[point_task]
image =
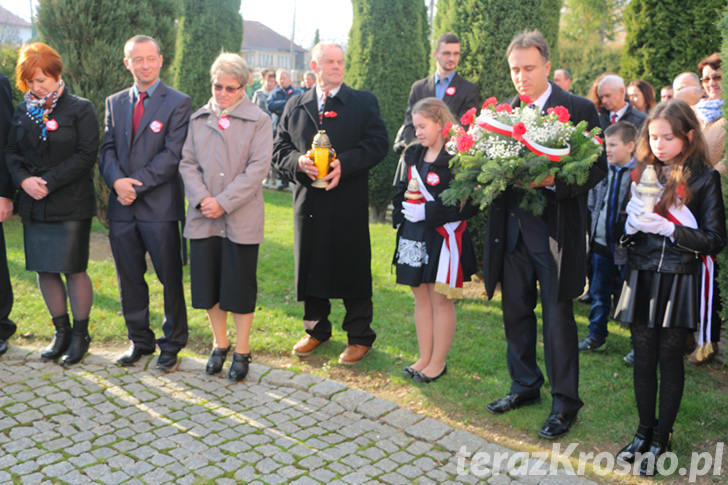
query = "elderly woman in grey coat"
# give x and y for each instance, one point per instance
(224, 161)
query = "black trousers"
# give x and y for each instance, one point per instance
(130, 241)
(522, 269)
(357, 322)
(7, 326)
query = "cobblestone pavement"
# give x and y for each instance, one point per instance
(97, 422)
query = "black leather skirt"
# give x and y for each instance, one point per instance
(57, 247)
(659, 300)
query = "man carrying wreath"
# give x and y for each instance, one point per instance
(522, 249)
(331, 226)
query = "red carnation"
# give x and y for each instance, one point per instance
(681, 191)
(465, 143)
(446, 129)
(525, 99)
(519, 129)
(468, 117)
(459, 130)
(504, 107)
(562, 113)
(490, 102)
(330, 114)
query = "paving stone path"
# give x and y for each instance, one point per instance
(97, 422)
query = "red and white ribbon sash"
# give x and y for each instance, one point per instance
(449, 269)
(682, 216)
(553, 154)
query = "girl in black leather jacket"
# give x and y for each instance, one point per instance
(671, 269)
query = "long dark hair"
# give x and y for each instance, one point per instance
(648, 93)
(692, 159)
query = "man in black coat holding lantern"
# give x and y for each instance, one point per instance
(332, 248)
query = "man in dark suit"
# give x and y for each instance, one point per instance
(145, 129)
(7, 326)
(446, 84)
(522, 249)
(614, 106)
(331, 239)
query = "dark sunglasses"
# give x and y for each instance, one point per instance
(228, 89)
(714, 77)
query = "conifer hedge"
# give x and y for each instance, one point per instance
(388, 50)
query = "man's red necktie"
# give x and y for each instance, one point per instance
(614, 118)
(138, 112)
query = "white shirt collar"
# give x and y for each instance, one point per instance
(541, 101)
(619, 113)
(320, 94)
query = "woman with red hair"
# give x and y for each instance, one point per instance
(52, 147)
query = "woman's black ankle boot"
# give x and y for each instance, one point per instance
(239, 367)
(80, 341)
(61, 340)
(639, 444)
(658, 447)
(217, 358)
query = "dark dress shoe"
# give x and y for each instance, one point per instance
(239, 367)
(132, 355)
(557, 425)
(3, 346)
(167, 360)
(61, 339)
(639, 444)
(513, 401)
(217, 357)
(420, 377)
(650, 457)
(408, 372)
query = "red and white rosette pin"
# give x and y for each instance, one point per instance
(450, 91)
(223, 122)
(51, 125)
(433, 179)
(156, 126)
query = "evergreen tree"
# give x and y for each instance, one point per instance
(373, 64)
(722, 275)
(316, 37)
(488, 26)
(90, 34)
(206, 28)
(667, 37)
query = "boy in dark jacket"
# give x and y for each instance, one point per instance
(606, 203)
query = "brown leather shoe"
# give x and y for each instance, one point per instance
(354, 353)
(306, 345)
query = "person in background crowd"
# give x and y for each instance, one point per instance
(7, 326)
(224, 160)
(524, 252)
(666, 93)
(641, 94)
(446, 84)
(710, 110)
(687, 87)
(51, 151)
(268, 85)
(309, 80)
(664, 290)
(562, 78)
(146, 126)
(276, 102)
(332, 249)
(419, 255)
(606, 203)
(614, 108)
(592, 94)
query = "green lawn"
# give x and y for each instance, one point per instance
(477, 371)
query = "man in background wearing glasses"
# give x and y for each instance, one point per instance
(145, 129)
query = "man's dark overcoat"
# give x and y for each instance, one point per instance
(331, 242)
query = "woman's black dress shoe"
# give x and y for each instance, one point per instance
(408, 372)
(420, 377)
(217, 357)
(639, 444)
(239, 367)
(649, 459)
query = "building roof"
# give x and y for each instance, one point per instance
(9, 18)
(257, 36)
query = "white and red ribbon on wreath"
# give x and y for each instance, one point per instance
(682, 216)
(449, 280)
